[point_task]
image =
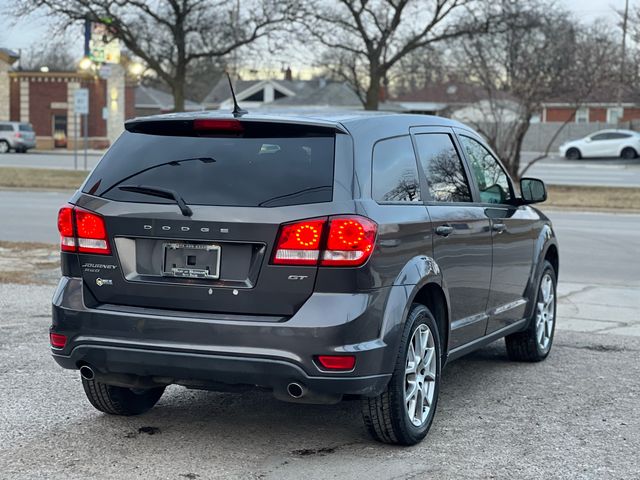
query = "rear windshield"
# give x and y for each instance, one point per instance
(252, 172)
(26, 127)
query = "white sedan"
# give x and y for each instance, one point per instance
(605, 143)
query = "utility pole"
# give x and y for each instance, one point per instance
(623, 60)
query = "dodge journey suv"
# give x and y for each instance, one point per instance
(317, 257)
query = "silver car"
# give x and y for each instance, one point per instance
(16, 136)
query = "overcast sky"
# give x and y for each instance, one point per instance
(34, 30)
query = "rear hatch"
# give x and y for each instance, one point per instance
(26, 133)
(237, 182)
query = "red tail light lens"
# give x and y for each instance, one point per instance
(217, 125)
(17, 135)
(337, 362)
(92, 233)
(57, 340)
(82, 231)
(299, 243)
(65, 227)
(350, 242)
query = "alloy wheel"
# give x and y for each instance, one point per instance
(545, 312)
(420, 375)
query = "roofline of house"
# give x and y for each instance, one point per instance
(589, 104)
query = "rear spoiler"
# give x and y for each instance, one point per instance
(232, 127)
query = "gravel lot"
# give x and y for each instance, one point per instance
(577, 415)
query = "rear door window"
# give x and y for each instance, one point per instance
(236, 171)
(443, 168)
(395, 172)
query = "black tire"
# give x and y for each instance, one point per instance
(120, 400)
(524, 346)
(4, 146)
(573, 154)
(386, 416)
(628, 153)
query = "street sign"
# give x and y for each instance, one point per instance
(104, 48)
(81, 101)
(105, 71)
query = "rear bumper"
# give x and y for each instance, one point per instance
(203, 352)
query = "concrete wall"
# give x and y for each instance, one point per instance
(5, 89)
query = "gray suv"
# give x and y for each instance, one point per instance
(16, 136)
(317, 257)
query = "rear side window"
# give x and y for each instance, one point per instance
(395, 172)
(26, 127)
(443, 168)
(231, 171)
(6, 128)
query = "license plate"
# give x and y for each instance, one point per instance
(191, 260)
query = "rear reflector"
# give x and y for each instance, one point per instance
(337, 362)
(217, 125)
(82, 231)
(57, 340)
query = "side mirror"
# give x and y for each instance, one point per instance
(533, 190)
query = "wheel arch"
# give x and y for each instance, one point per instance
(545, 248)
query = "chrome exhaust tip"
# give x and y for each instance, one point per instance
(87, 372)
(295, 390)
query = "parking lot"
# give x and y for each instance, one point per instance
(575, 415)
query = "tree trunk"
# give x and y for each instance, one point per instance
(373, 92)
(178, 96)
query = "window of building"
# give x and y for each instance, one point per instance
(582, 115)
(256, 97)
(492, 180)
(443, 168)
(614, 114)
(395, 172)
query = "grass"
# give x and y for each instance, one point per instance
(571, 197)
(41, 178)
(593, 198)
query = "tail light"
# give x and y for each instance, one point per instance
(82, 231)
(348, 242)
(299, 243)
(17, 135)
(336, 362)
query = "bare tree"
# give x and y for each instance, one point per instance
(53, 54)
(539, 54)
(365, 39)
(171, 35)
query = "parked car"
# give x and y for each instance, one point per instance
(316, 257)
(605, 143)
(18, 136)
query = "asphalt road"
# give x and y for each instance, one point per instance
(555, 170)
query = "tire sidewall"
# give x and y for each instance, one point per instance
(418, 315)
(573, 154)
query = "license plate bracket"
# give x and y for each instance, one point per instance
(191, 260)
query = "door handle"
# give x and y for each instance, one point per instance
(444, 230)
(499, 227)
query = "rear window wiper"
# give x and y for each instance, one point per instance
(159, 192)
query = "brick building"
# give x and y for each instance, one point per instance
(46, 100)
